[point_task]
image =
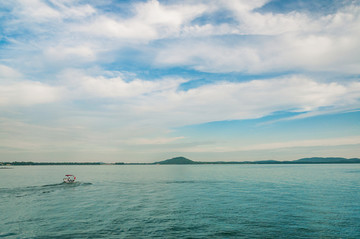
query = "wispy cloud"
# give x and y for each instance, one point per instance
(276, 145)
(41, 11)
(254, 99)
(154, 141)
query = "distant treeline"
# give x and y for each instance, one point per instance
(52, 163)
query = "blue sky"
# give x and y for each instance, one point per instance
(142, 81)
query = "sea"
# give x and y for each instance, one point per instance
(181, 201)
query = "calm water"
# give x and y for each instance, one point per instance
(190, 201)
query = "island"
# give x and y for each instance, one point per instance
(177, 160)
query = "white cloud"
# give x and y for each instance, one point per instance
(160, 102)
(278, 41)
(252, 22)
(151, 20)
(293, 41)
(210, 56)
(272, 54)
(27, 93)
(38, 10)
(14, 90)
(84, 85)
(7, 73)
(107, 27)
(246, 100)
(73, 53)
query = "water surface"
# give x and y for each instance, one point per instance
(181, 201)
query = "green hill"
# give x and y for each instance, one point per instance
(177, 160)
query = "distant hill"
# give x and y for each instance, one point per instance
(327, 160)
(314, 160)
(177, 160)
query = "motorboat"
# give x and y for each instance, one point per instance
(69, 178)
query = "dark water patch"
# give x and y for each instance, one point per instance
(230, 233)
(35, 220)
(181, 182)
(193, 182)
(71, 235)
(353, 171)
(8, 234)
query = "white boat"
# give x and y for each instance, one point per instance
(69, 178)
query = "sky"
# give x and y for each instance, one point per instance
(143, 81)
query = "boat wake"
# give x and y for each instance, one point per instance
(31, 190)
(75, 184)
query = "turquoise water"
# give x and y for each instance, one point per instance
(184, 201)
